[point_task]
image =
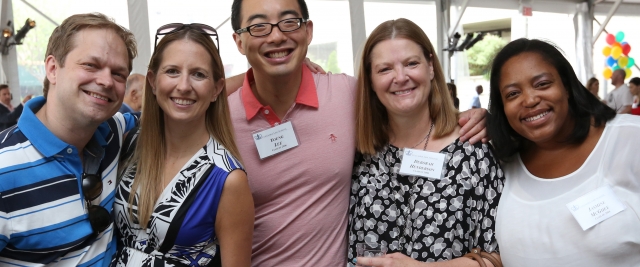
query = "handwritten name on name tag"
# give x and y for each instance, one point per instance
(275, 140)
(422, 163)
(595, 207)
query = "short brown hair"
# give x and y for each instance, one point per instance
(4, 86)
(372, 121)
(61, 40)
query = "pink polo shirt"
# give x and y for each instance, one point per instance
(301, 195)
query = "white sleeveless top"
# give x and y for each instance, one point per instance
(535, 228)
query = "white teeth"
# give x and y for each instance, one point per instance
(402, 92)
(98, 96)
(183, 101)
(278, 54)
(536, 117)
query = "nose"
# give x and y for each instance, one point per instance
(276, 36)
(400, 75)
(184, 84)
(104, 78)
(531, 98)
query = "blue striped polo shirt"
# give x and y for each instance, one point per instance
(43, 217)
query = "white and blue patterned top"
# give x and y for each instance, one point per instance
(181, 230)
(43, 217)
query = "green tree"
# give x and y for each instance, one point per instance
(481, 55)
(332, 62)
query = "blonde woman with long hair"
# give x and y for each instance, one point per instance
(192, 201)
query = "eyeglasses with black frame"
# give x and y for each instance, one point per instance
(264, 29)
(175, 27)
(99, 217)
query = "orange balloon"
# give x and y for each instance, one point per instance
(606, 51)
(607, 73)
(616, 44)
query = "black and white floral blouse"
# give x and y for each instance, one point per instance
(424, 218)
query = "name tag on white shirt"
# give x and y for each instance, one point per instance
(275, 140)
(422, 163)
(595, 207)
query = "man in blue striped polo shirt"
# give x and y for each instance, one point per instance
(58, 165)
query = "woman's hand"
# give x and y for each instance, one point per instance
(389, 260)
(473, 124)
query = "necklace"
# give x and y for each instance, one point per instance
(425, 138)
(410, 199)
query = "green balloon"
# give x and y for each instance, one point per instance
(631, 62)
(619, 37)
(615, 67)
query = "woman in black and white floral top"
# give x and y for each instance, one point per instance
(444, 202)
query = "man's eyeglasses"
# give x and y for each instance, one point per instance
(99, 217)
(264, 29)
(175, 27)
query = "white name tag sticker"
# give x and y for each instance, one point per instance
(422, 163)
(275, 140)
(595, 207)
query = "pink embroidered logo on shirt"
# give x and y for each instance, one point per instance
(333, 138)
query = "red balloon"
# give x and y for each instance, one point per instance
(611, 38)
(626, 48)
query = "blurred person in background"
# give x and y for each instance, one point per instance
(593, 85)
(620, 99)
(8, 113)
(453, 91)
(133, 96)
(634, 88)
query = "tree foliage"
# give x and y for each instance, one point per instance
(481, 55)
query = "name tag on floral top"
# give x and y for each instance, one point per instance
(595, 207)
(422, 163)
(275, 140)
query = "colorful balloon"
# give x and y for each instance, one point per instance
(619, 36)
(616, 44)
(607, 73)
(628, 71)
(623, 61)
(631, 62)
(611, 39)
(606, 51)
(611, 61)
(626, 48)
(616, 52)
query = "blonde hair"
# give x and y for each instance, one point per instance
(62, 39)
(372, 121)
(150, 151)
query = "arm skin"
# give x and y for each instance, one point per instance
(400, 260)
(234, 221)
(234, 83)
(473, 123)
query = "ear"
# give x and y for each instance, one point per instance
(151, 77)
(431, 74)
(218, 87)
(309, 31)
(51, 69)
(238, 39)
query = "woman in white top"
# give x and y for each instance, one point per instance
(572, 193)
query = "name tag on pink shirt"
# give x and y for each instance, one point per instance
(595, 207)
(275, 140)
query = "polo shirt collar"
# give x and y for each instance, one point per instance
(307, 94)
(39, 135)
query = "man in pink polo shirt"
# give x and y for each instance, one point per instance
(296, 134)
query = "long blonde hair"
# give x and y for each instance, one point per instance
(372, 121)
(150, 151)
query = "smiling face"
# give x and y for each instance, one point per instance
(90, 87)
(536, 102)
(277, 54)
(401, 76)
(184, 85)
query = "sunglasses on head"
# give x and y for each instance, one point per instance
(99, 217)
(176, 27)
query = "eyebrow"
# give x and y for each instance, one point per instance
(263, 16)
(532, 79)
